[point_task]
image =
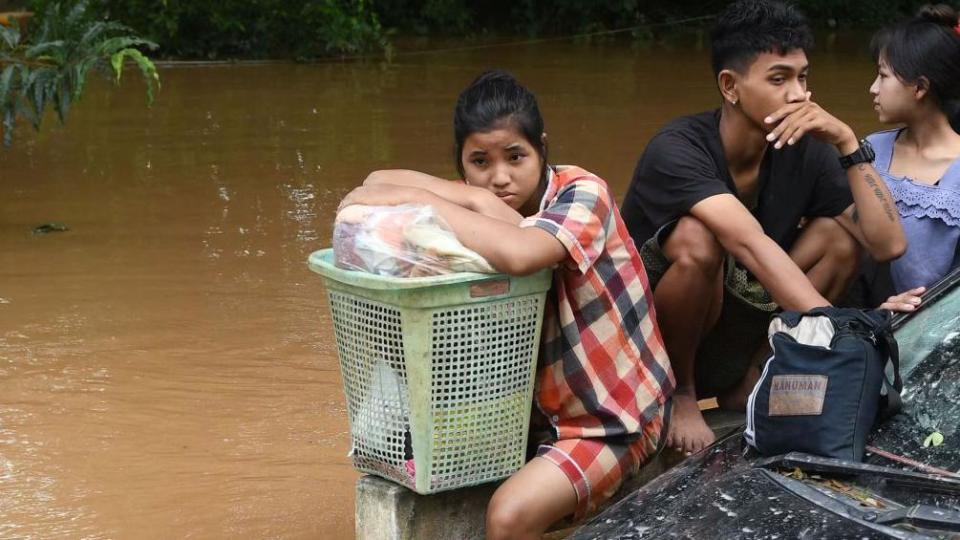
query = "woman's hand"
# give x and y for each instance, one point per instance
(906, 301)
(385, 195)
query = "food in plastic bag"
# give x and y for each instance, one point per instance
(401, 241)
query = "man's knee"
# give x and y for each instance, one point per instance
(692, 245)
(840, 247)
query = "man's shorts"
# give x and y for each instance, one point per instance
(728, 349)
(597, 467)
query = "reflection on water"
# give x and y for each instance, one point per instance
(167, 367)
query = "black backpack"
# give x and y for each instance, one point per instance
(824, 386)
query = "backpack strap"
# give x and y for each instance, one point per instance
(888, 345)
(878, 323)
(891, 402)
(881, 321)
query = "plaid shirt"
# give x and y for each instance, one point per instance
(603, 369)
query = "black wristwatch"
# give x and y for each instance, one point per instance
(864, 154)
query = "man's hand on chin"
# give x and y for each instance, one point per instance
(795, 120)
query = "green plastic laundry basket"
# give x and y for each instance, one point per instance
(438, 371)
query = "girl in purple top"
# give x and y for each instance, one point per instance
(919, 86)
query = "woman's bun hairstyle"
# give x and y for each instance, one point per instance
(940, 14)
(926, 48)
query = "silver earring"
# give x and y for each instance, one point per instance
(734, 102)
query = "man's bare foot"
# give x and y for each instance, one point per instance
(688, 431)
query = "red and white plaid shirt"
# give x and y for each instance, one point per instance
(603, 369)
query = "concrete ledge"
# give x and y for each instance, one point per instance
(388, 511)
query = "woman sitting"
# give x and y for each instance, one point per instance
(603, 379)
(918, 86)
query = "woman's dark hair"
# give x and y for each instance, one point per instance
(748, 28)
(497, 100)
(926, 47)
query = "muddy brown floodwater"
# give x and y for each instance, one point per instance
(167, 366)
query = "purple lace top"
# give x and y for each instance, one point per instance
(930, 216)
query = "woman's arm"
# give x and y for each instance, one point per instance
(509, 248)
(469, 197)
(873, 218)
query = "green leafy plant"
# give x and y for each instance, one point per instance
(232, 29)
(50, 68)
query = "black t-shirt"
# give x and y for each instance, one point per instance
(684, 164)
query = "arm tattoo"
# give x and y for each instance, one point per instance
(887, 208)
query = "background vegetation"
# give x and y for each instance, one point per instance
(300, 29)
(539, 17)
(48, 67)
(195, 29)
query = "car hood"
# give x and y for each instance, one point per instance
(719, 494)
(725, 492)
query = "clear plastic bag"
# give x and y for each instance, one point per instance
(401, 241)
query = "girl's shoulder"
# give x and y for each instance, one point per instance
(571, 172)
(564, 175)
(884, 138)
(882, 143)
(574, 187)
(567, 177)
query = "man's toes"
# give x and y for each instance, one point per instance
(688, 443)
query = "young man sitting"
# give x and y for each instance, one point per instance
(759, 205)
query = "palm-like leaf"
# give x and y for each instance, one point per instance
(51, 70)
(10, 36)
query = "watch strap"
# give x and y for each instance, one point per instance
(863, 154)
